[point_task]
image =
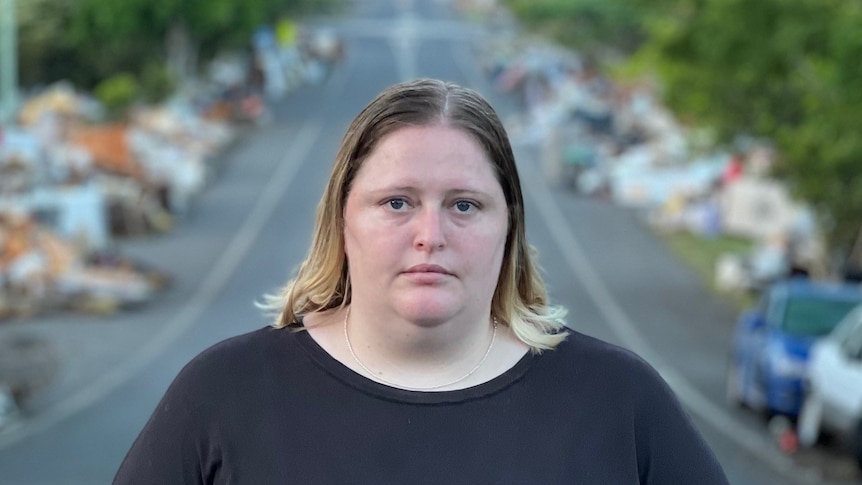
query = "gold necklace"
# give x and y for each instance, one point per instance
(409, 388)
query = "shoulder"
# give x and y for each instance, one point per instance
(584, 365)
(606, 380)
(209, 403)
(586, 356)
(246, 344)
(238, 358)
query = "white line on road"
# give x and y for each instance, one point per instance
(404, 46)
(207, 292)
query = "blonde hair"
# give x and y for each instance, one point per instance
(322, 281)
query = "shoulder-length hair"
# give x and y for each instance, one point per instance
(322, 281)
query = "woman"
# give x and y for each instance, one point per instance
(416, 343)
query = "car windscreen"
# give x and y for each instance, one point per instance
(811, 317)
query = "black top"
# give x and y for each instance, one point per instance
(272, 406)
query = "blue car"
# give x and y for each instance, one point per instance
(771, 342)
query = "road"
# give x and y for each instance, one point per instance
(252, 226)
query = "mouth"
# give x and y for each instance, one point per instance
(427, 268)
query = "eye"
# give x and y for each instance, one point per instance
(465, 206)
(396, 204)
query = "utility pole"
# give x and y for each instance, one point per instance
(8, 61)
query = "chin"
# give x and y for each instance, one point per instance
(428, 309)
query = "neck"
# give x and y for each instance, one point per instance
(420, 354)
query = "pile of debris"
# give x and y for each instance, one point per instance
(70, 185)
(602, 138)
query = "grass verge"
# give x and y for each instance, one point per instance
(701, 254)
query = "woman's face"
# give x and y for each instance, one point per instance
(425, 226)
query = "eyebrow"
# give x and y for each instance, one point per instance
(412, 189)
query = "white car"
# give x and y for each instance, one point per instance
(834, 385)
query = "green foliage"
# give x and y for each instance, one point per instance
(732, 64)
(43, 55)
(785, 70)
(703, 254)
(87, 41)
(117, 93)
(592, 26)
(157, 83)
(789, 71)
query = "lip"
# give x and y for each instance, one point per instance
(427, 268)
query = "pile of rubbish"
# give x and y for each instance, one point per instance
(601, 138)
(43, 272)
(71, 182)
(70, 185)
(282, 57)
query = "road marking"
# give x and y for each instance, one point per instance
(403, 44)
(212, 284)
(611, 311)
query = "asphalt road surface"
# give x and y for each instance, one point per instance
(249, 230)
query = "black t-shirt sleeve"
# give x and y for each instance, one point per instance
(669, 447)
(176, 445)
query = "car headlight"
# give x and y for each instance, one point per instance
(787, 366)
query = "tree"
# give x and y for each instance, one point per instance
(44, 54)
(787, 71)
(99, 38)
(592, 26)
(784, 70)
(824, 154)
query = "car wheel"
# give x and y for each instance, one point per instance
(808, 426)
(732, 386)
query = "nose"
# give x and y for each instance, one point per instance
(429, 235)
